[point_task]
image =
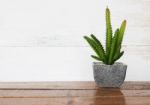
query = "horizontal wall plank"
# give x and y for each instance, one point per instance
(33, 23)
(65, 63)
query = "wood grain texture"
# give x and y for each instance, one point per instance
(72, 85)
(73, 93)
(77, 101)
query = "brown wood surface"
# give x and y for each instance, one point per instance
(73, 93)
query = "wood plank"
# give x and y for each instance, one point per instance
(86, 85)
(72, 93)
(111, 101)
(48, 85)
(77, 101)
(33, 101)
(131, 93)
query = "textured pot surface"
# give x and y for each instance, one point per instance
(109, 75)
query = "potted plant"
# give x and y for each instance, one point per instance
(108, 72)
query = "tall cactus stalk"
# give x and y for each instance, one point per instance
(108, 33)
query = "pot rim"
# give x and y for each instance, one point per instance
(116, 63)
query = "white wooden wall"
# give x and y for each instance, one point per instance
(42, 40)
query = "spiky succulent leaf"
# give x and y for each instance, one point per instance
(108, 32)
(113, 46)
(98, 42)
(121, 34)
(117, 51)
(121, 31)
(100, 45)
(94, 46)
(91, 44)
(97, 58)
(118, 56)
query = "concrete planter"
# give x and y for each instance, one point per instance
(109, 75)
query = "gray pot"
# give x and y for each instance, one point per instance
(109, 75)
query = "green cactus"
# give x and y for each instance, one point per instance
(112, 52)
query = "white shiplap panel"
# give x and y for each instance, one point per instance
(64, 22)
(65, 63)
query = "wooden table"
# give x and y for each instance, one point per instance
(73, 93)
